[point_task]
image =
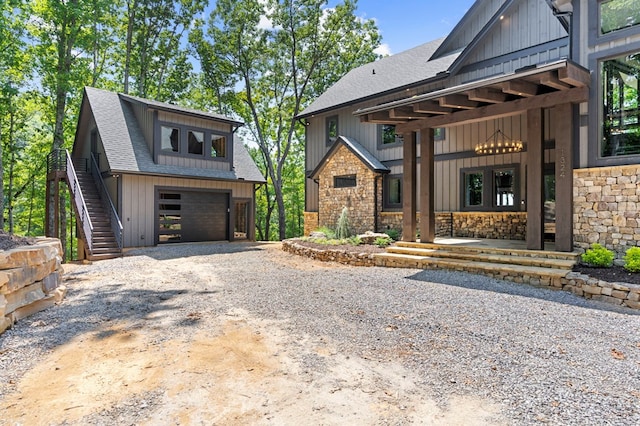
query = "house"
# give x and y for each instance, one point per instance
(523, 123)
(150, 173)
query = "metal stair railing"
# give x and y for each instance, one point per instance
(78, 199)
(116, 224)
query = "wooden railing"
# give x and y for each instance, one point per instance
(78, 200)
(116, 224)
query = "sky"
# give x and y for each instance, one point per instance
(409, 23)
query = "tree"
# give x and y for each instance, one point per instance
(277, 55)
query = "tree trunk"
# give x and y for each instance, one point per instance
(131, 12)
(12, 152)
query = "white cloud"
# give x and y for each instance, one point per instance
(383, 50)
(265, 23)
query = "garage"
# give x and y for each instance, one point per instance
(191, 216)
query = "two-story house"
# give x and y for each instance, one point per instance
(523, 123)
(144, 173)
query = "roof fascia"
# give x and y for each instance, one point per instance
(461, 24)
(333, 149)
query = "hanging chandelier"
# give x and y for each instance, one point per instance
(499, 143)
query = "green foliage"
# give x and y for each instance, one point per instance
(598, 256)
(342, 228)
(330, 233)
(632, 259)
(355, 240)
(382, 241)
(394, 234)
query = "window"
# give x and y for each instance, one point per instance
(169, 139)
(621, 106)
(169, 217)
(241, 222)
(195, 141)
(438, 134)
(618, 14)
(332, 129)
(490, 188)
(218, 146)
(392, 192)
(387, 135)
(346, 181)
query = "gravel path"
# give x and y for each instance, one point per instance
(317, 344)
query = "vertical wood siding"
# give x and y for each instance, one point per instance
(138, 202)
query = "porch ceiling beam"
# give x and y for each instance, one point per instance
(406, 113)
(381, 117)
(520, 88)
(550, 79)
(485, 94)
(458, 102)
(431, 107)
(505, 109)
(574, 76)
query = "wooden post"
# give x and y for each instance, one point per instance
(563, 115)
(427, 169)
(535, 180)
(409, 187)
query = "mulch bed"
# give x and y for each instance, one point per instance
(612, 275)
(362, 248)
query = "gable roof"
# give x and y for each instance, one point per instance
(357, 149)
(127, 152)
(389, 74)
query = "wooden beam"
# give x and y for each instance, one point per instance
(505, 109)
(431, 107)
(550, 79)
(406, 113)
(535, 180)
(563, 116)
(458, 101)
(485, 94)
(520, 88)
(427, 187)
(409, 186)
(574, 76)
(381, 117)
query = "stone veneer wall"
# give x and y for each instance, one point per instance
(30, 278)
(310, 222)
(360, 200)
(606, 207)
(496, 225)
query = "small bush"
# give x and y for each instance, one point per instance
(598, 256)
(394, 234)
(355, 240)
(632, 259)
(342, 230)
(330, 233)
(382, 241)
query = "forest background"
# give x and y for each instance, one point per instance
(260, 61)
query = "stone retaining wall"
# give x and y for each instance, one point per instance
(30, 278)
(606, 207)
(340, 256)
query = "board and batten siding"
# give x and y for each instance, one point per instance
(144, 117)
(138, 202)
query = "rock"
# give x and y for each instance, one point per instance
(370, 237)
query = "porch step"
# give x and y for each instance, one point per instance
(546, 268)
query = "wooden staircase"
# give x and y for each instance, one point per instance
(104, 244)
(537, 267)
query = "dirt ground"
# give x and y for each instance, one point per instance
(233, 369)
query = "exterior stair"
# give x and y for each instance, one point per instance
(104, 241)
(537, 267)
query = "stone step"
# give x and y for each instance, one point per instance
(535, 275)
(507, 259)
(471, 249)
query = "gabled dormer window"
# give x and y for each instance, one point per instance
(187, 141)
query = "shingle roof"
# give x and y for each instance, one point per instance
(358, 150)
(385, 75)
(127, 152)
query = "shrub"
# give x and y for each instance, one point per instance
(394, 234)
(598, 256)
(382, 241)
(330, 233)
(632, 259)
(355, 240)
(342, 230)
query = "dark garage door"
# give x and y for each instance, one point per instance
(189, 216)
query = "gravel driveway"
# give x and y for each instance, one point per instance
(244, 333)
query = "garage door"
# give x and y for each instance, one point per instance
(190, 216)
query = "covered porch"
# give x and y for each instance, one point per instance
(557, 86)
